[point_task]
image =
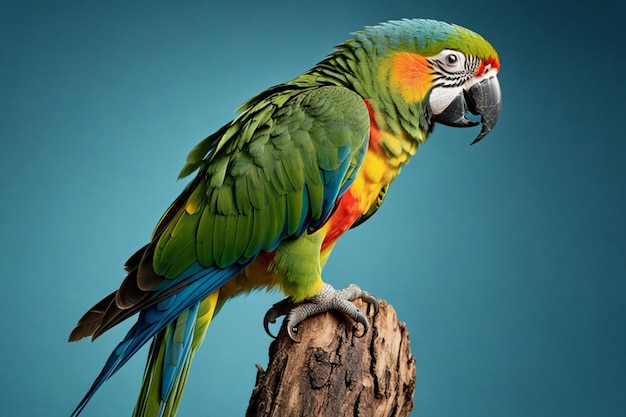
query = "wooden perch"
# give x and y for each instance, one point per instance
(331, 372)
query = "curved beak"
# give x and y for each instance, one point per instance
(483, 98)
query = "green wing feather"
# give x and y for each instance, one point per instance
(269, 174)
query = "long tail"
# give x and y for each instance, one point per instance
(171, 353)
(177, 324)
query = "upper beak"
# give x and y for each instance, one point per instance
(483, 98)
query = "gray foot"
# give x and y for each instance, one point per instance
(327, 299)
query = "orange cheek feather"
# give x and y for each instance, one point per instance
(412, 75)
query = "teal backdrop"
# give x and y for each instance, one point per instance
(506, 260)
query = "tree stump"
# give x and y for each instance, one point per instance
(332, 372)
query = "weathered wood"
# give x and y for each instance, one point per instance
(331, 372)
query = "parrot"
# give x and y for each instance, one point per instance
(274, 189)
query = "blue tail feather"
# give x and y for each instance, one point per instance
(201, 283)
(176, 351)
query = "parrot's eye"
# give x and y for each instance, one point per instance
(452, 59)
(453, 67)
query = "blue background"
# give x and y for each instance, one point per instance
(506, 260)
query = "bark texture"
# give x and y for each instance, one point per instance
(332, 372)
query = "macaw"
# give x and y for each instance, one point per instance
(302, 163)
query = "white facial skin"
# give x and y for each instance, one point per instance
(455, 73)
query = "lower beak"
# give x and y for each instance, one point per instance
(483, 98)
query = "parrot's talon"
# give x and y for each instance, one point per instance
(327, 299)
(279, 309)
(361, 318)
(371, 300)
(292, 331)
(266, 326)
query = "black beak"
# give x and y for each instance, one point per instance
(483, 98)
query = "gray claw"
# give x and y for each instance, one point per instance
(327, 299)
(370, 299)
(361, 318)
(281, 308)
(293, 333)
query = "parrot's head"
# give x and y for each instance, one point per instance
(434, 72)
